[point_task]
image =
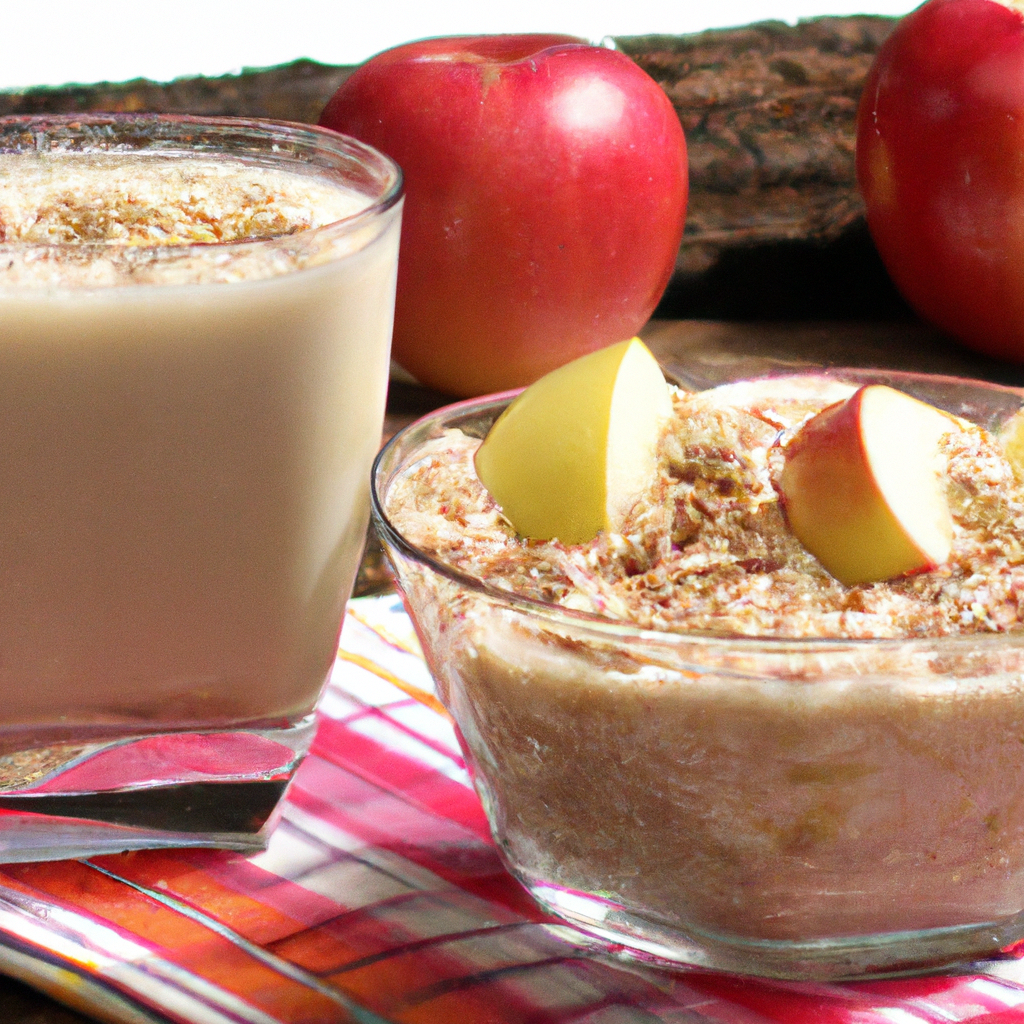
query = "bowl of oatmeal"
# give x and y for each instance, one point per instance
(692, 740)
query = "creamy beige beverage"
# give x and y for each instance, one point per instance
(780, 758)
(193, 366)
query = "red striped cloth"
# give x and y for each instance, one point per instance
(381, 898)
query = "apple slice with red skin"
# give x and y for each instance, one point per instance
(861, 487)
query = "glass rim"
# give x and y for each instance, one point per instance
(609, 628)
(319, 139)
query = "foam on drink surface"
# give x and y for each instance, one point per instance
(101, 219)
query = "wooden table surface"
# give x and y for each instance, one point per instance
(696, 354)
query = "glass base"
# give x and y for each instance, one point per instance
(837, 959)
(147, 791)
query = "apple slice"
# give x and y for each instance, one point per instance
(1011, 437)
(861, 487)
(570, 455)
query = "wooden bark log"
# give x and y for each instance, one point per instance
(775, 227)
(290, 92)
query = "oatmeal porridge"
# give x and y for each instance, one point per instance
(740, 745)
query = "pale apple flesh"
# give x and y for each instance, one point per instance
(861, 486)
(1011, 437)
(569, 456)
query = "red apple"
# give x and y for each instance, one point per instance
(940, 161)
(546, 190)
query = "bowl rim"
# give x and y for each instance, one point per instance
(608, 627)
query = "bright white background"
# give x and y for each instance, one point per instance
(52, 42)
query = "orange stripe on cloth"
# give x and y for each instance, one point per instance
(427, 699)
(178, 939)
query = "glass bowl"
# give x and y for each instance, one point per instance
(801, 808)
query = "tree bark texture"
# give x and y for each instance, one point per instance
(775, 227)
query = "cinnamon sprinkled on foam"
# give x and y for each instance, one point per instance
(100, 219)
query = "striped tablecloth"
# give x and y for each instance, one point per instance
(382, 899)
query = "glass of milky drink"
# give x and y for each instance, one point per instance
(195, 321)
(693, 740)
